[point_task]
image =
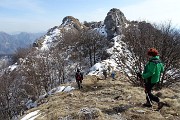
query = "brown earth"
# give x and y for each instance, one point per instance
(109, 100)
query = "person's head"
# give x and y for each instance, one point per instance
(152, 52)
(78, 70)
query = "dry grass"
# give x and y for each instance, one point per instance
(108, 100)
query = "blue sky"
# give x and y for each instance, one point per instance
(40, 15)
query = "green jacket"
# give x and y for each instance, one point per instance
(153, 70)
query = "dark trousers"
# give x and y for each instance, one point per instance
(148, 88)
(105, 75)
(79, 83)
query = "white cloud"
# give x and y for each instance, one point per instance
(154, 11)
(32, 5)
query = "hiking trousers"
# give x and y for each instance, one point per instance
(79, 82)
(148, 89)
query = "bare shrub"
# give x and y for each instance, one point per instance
(140, 37)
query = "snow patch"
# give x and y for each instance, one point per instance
(98, 68)
(12, 67)
(61, 89)
(31, 116)
(102, 30)
(48, 40)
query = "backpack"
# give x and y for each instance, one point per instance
(78, 76)
(156, 61)
(104, 72)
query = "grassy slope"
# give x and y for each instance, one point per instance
(108, 100)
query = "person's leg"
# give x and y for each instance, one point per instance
(104, 75)
(78, 83)
(112, 76)
(155, 98)
(151, 96)
(148, 89)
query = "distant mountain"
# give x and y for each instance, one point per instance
(9, 43)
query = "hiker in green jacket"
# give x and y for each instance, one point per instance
(151, 75)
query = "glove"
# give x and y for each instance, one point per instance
(139, 75)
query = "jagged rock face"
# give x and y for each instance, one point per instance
(114, 22)
(69, 24)
(71, 21)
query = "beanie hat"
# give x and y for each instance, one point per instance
(152, 52)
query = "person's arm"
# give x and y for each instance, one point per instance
(82, 76)
(150, 71)
(162, 67)
(76, 75)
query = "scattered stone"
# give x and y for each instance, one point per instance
(89, 113)
(121, 108)
(140, 111)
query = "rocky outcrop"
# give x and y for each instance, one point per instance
(69, 24)
(72, 22)
(114, 22)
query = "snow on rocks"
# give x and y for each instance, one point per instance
(32, 115)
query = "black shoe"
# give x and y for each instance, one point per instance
(160, 105)
(147, 105)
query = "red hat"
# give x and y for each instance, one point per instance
(152, 52)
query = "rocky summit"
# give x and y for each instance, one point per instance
(114, 22)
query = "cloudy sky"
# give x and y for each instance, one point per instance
(40, 15)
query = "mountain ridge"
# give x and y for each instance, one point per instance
(9, 43)
(55, 57)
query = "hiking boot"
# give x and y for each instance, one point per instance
(160, 105)
(147, 105)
